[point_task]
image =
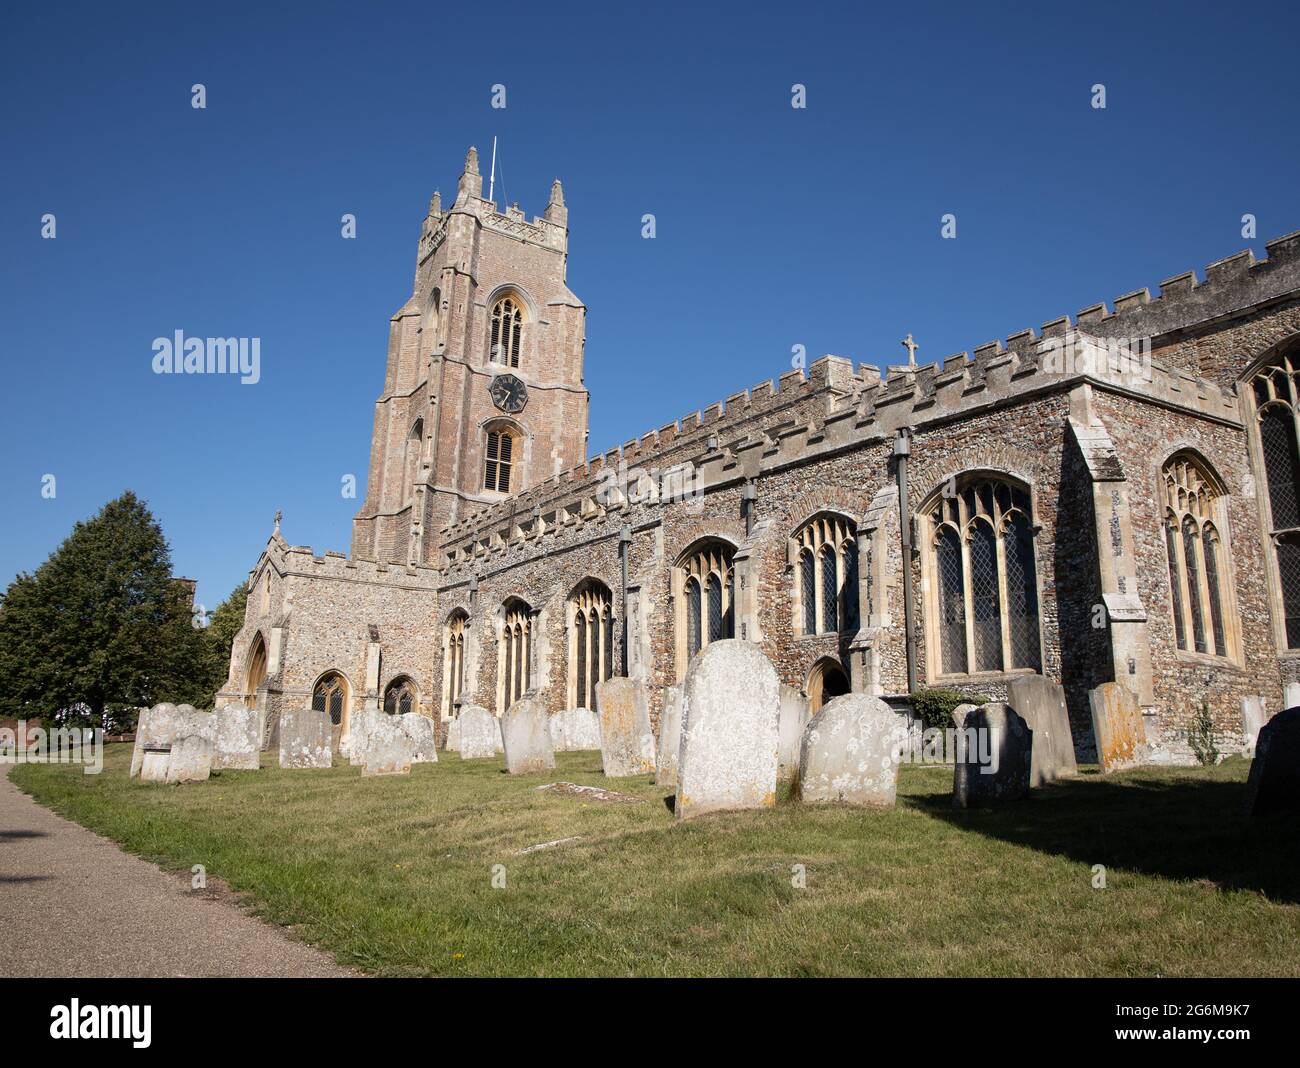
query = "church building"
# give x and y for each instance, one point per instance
(1114, 497)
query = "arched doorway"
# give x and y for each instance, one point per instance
(256, 673)
(826, 680)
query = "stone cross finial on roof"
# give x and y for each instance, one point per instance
(911, 347)
(277, 522)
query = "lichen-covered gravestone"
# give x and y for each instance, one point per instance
(794, 718)
(994, 751)
(1041, 704)
(389, 748)
(453, 734)
(238, 738)
(627, 743)
(670, 737)
(526, 737)
(191, 756)
(731, 710)
(1118, 726)
(359, 726)
(851, 751)
(1274, 783)
(305, 737)
(420, 730)
(575, 730)
(480, 734)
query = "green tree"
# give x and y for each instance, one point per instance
(223, 625)
(101, 626)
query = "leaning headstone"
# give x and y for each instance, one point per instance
(389, 749)
(526, 737)
(238, 738)
(1041, 704)
(1253, 718)
(794, 718)
(994, 752)
(1117, 725)
(627, 743)
(1274, 783)
(420, 730)
(155, 759)
(305, 736)
(453, 734)
(155, 730)
(851, 752)
(479, 733)
(191, 757)
(731, 710)
(670, 737)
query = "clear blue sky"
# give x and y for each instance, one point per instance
(776, 226)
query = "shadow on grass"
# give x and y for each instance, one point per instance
(1180, 827)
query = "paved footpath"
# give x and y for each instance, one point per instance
(73, 904)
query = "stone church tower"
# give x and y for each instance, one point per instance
(483, 395)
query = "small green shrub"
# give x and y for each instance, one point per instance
(935, 705)
(1203, 737)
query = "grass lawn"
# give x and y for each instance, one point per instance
(394, 875)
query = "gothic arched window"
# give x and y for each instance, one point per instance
(1194, 518)
(1277, 401)
(453, 671)
(982, 581)
(591, 658)
(828, 575)
(705, 613)
(507, 332)
(515, 653)
(330, 695)
(399, 697)
(500, 458)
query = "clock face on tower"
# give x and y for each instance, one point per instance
(508, 393)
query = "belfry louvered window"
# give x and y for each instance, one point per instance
(827, 583)
(1276, 395)
(982, 580)
(592, 661)
(1194, 520)
(707, 587)
(507, 332)
(500, 459)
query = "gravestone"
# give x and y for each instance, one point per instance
(360, 724)
(994, 753)
(575, 730)
(154, 761)
(480, 734)
(238, 738)
(389, 749)
(670, 737)
(453, 734)
(960, 713)
(1291, 695)
(1274, 783)
(794, 718)
(1041, 704)
(526, 737)
(155, 728)
(190, 759)
(1118, 727)
(627, 743)
(731, 711)
(1253, 718)
(305, 736)
(851, 752)
(420, 730)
